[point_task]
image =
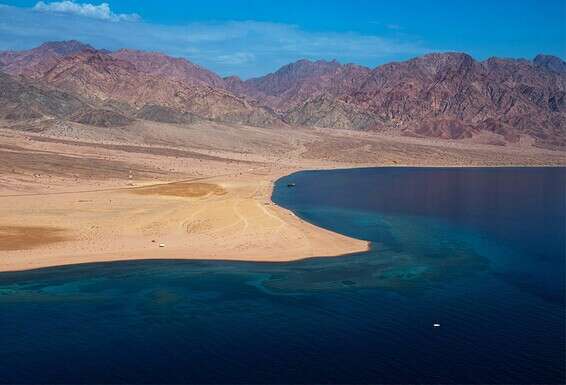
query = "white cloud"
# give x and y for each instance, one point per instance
(101, 11)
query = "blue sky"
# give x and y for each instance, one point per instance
(251, 38)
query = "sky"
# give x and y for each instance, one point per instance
(250, 38)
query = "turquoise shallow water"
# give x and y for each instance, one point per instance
(480, 251)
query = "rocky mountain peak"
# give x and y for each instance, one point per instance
(550, 63)
(180, 69)
(64, 48)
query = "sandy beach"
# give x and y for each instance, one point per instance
(222, 218)
(189, 192)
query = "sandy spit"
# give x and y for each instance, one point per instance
(226, 218)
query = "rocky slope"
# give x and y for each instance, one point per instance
(324, 110)
(20, 100)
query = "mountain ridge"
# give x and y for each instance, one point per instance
(446, 95)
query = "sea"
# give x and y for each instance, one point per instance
(464, 284)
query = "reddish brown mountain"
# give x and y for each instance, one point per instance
(445, 95)
(452, 95)
(103, 79)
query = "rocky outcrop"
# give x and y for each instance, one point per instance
(157, 113)
(326, 111)
(101, 118)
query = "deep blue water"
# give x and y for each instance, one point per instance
(480, 251)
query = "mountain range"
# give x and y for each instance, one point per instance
(441, 95)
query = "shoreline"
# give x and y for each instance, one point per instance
(321, 242)
(293, 239)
